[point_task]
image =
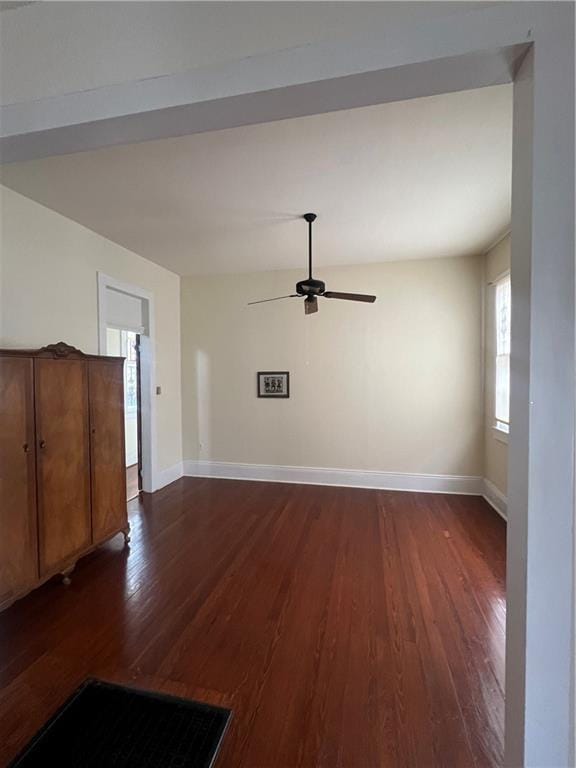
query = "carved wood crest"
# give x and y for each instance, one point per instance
(60, 350)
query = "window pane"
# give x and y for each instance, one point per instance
(130, 396)
(130, 375)
(502, 321)
(503, 317)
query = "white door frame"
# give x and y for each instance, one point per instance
(147, 370)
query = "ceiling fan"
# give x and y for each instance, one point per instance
(310, 289)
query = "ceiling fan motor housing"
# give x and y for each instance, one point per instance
(310, 287)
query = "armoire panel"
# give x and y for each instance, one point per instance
(18, 523)
(108, 466)
(63, 458)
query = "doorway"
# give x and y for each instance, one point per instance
(126, 343)
(126, 328)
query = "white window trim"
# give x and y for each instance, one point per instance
(500, 433)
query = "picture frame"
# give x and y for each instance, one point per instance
(273, 384)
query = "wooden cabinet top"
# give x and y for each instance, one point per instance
(58, 351)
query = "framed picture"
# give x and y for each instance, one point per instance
(273, 384)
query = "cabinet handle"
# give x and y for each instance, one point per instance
(42, 443)
(26, 447)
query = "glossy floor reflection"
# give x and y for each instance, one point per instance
(344, 627)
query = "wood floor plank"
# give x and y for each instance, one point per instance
(346, 628)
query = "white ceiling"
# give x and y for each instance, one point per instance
(416, 179)
(52, 48)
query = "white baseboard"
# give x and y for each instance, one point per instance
(496, 498)
(168, 475)
(353, 478)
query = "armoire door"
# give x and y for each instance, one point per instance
(18, 520)
(63, 460)
(106, 384)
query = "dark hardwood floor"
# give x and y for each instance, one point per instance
(344, 627)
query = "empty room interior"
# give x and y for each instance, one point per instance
(255, 396)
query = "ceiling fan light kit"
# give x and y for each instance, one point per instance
(310, 289)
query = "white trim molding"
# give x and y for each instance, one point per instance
(496, 498)
(168, 475)
(351, 478)
(500, 435)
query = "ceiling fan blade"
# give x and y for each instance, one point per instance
(276, 298)
(310, 305)
(349, 296)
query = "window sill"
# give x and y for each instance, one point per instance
(500, 435)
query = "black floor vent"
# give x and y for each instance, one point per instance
(111, 726)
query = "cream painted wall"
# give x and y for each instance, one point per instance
(49, 268)
(497, 261)
(396, 386)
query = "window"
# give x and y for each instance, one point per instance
(502, 383)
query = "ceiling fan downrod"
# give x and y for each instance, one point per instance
(309, 217)
(310, 289)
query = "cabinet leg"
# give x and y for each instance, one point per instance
(126, 533)
(66, 580)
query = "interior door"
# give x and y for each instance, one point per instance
(63, 460)
(18, 521)
(109, 512)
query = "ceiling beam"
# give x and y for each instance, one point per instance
(311, 79)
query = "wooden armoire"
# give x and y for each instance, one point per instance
(62, 466)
